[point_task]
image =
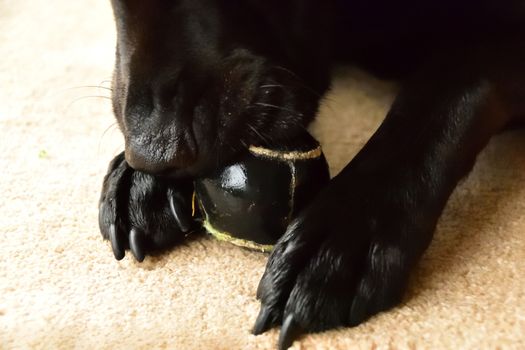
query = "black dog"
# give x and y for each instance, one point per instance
(196, 81)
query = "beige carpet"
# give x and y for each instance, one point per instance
(60, 286)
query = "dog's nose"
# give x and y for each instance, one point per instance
(160, 156)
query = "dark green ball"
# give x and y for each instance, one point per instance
(250, 203)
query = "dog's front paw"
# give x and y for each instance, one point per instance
(141, 212)
(345, 258)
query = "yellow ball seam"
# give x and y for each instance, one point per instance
(223, 236)
(295, 155)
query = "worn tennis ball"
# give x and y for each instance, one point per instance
(250, 203)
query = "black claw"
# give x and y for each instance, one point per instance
(357, 311)
(135, 244)
(264, 321)
(176, 205)
(116, 244)
(290, 331)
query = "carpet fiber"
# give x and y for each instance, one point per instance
(60, 286)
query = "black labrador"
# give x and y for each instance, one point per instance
(196, 81)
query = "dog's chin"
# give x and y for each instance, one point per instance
(189, 172)
(203, 167)
(180, 174)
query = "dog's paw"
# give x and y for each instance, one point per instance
(345, 258)
(141, 212)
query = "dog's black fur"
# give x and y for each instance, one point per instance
(196, 81)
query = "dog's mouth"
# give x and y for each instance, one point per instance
(197, 170)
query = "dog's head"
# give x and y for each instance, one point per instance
(197, 81)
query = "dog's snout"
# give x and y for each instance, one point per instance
(161, 155)
(158, 129)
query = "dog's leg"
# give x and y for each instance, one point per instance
(348, 256)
